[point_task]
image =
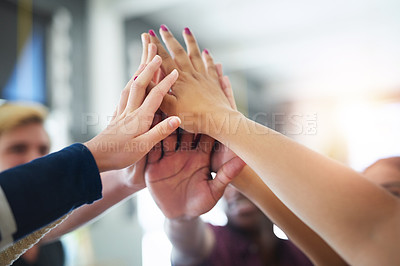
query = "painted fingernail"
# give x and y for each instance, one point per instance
(135, 78)
(206, 51)
(174, 122)
(163, 27)
(187, 31)
(152, 33)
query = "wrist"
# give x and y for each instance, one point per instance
(220, 122)
(183, 220)
(98, 157)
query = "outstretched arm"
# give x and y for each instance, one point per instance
(125, 141)
(250, 185)
(118, 184)
(353, 215)
(317, 250)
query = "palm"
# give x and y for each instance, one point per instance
(180, 183)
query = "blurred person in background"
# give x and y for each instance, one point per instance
(23, 139)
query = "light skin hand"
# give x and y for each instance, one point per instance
(117, 185)
(128, 137)
(172, 174)
(197, 74)
(134, 174)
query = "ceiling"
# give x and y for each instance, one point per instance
(295, 48)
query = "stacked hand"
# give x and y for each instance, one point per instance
(178, 170)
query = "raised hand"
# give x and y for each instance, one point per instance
(196, 97)
(178, 176)
(128, 137)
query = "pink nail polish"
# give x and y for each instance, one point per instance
(135, 78)
(151, 32)
(163, 27)
(206, 51)
(187, 31)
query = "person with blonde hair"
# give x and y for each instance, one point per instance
(22, 139)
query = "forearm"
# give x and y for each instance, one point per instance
(116, 188)
(192, 240)
(319, 252)
(318, 190)
(45, 189)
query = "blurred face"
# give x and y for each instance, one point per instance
(241, 212)
(23, 144)
(386, 175)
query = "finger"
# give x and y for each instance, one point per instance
(193, 51)
(157, 133)
(220, 73)
(156, 152)
(209, 62)
(225, 175)
(152, 52)
(206, 143)
(186, 142)
(138, 87)
(226, 86)
(168, 105)
(145, 47)
(170, 143)
(126, 91)
(168, 63)
(227, 89)
(157, 119)
(176, 50)
(157, 77)
(156, 95)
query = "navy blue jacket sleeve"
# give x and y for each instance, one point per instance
(47, 188)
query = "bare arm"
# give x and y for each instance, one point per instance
(192, 240)
(250, 185)
(117, 186)
(335, 201)
(317, 250)
(357, 218)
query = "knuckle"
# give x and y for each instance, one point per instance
(179, 51)
(125, 92)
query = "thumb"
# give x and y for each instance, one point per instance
(159, 132)
(225, 175)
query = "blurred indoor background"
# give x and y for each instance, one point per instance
(326, 73)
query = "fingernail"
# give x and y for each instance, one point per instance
(152, 33)
(206, 51)
(175, 72)
(135, 78)
(163, 27)
(174, 122)
(187, 31)
(156, 58)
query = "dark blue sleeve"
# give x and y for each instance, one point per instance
(47, 188)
